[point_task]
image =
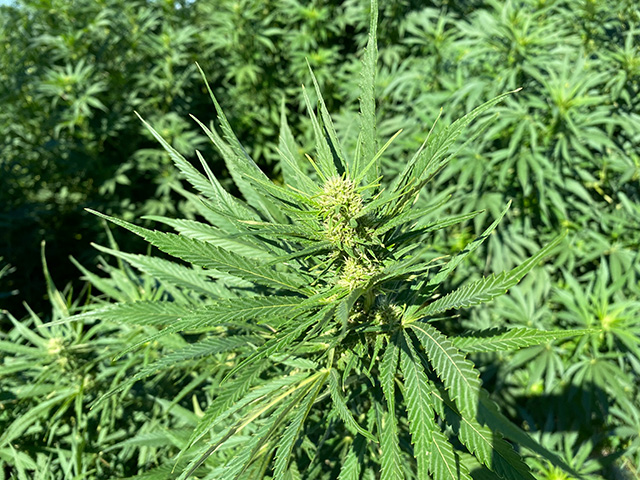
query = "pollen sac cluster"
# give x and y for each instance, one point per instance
(340, 204)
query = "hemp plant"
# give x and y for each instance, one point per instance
(320, 300)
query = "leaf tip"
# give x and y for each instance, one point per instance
(93, 212)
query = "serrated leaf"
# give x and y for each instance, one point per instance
(417, 393)
(292, 169)
(102, 284)
(207, 233)
(496, 339)
(431, 159)
(324, 155)
(377, 348)
(153, 312)
(458, 374)
(236, 168)
(226, 203)
(443, 461)
(298, 231)
(388, 368)
(475, 293)
(226, 311)
(208, 256)
(367, 139)
(338, 155)
(426, 288)
(487, 288)
(455, 261)
(280, 416)
(390, 460)
(313, 249)
(432, 227)
(350, 469)
(374, 162)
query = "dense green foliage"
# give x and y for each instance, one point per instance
(564, 151)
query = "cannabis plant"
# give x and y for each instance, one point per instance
(322, 305)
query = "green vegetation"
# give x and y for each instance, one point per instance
(332, 303)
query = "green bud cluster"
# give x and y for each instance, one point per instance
(388, 314)
(356, 273)
(340, 203)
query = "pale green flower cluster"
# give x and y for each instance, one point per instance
(356, 273)
(340, 204)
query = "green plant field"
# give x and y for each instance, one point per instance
(336, 242)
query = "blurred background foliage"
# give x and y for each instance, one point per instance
(565, 149)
